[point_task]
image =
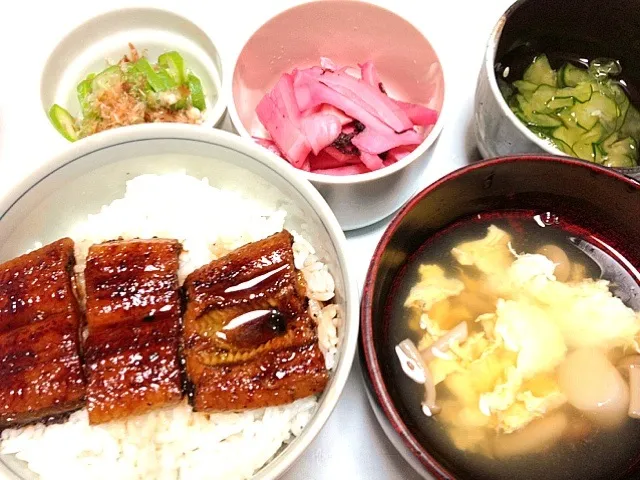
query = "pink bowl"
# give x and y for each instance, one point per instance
(348, 32)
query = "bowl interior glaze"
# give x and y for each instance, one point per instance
(584, 194)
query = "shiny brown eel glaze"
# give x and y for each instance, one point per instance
(248, 339)
(40, 370)
(133, 318)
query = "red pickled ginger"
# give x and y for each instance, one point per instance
(326, 120)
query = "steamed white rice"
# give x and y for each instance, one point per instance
(177, 443)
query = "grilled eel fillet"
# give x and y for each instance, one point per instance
(247, 338)
(133, 317)
(40, 370)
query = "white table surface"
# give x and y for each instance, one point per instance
(351, 445)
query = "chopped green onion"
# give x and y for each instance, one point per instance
(106, 79)
(174, 63)
(166, 79)
(197, 95)
(132, 92)
(63, 122)
(134, 76)
(180, 104)
(158, 81)
(84, 90)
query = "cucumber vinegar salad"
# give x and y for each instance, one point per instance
(134, 91)
(584, 112)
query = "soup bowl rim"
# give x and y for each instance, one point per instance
(374, 378)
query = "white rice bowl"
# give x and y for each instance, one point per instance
(177, 443)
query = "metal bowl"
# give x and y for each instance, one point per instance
(91, 173)
(584, 29)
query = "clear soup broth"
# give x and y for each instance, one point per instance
(551, 432)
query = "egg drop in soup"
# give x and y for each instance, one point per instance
(515, 339)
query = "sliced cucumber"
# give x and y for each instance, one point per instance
(557, 103)
(619, 152)
(599, 108)
(626, 146)
(584, 151)
(583, 112)
(618, 93)
(596, 135)
(562, 146)
(541, 97)
(598, 153)
(63, 122)
(525, 88)
(540, 72)
(567, 135)
(604, 88)
(586, 147)
(540, 120)
(619, 161)
(607, 109)
(581, 93)
(623, 107)
(572, 75)
(631, 124)
(568, 119)
(610, 140)
(526, 113)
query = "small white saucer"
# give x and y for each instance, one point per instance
(104, 40)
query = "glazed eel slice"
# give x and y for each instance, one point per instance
(133, 318)
(248, 340)
(40, 369)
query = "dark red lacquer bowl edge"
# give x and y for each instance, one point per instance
(372, 372)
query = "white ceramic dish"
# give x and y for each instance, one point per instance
(93, 172)
(349, 33)
(105, 38)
